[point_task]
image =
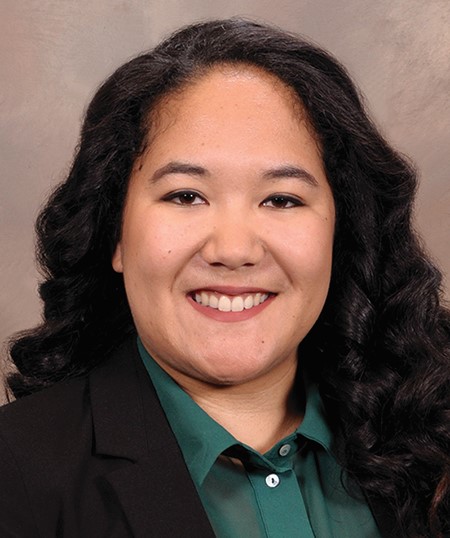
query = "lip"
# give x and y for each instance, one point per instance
(228, 317)
(231, 290)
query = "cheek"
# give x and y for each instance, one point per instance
(155, 247)
(308, 254)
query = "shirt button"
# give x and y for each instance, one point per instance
(284, 450)
(272, 480)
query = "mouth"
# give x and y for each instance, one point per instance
(230, 302)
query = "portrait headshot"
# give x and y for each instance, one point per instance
(243, 328)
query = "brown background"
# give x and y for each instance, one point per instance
(53, 54)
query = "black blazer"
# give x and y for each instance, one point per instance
(94, 457)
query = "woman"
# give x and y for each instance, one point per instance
(242, 335)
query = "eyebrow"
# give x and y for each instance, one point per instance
(291, 171)
(176, 167)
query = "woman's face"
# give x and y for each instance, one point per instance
(227, 234)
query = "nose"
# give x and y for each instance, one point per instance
(233, 241)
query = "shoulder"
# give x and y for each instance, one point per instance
(41, 436)
(55, 427)
(41, 430)
(60, 410)
(36, 415)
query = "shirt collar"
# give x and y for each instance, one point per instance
(314, 425)
(201, 438)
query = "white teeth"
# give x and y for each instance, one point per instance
(248, 302)
(225, 303)
(213, 302)
(237, 304)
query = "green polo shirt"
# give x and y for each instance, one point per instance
(293, 490)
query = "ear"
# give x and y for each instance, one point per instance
(116, 261)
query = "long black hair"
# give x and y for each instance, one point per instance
(380, 349)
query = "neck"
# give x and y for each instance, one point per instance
(259, 413)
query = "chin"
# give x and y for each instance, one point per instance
(236, 374)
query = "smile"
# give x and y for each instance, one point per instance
(225, 303)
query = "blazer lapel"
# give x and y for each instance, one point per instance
(158, 501)
(151, 482)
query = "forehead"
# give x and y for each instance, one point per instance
(225, 97)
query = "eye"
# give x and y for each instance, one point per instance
(184, 198)
(282, 201)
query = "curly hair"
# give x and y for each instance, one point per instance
(380, 349)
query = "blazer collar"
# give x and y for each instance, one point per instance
(153, 484)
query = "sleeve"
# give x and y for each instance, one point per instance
(16, 515)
